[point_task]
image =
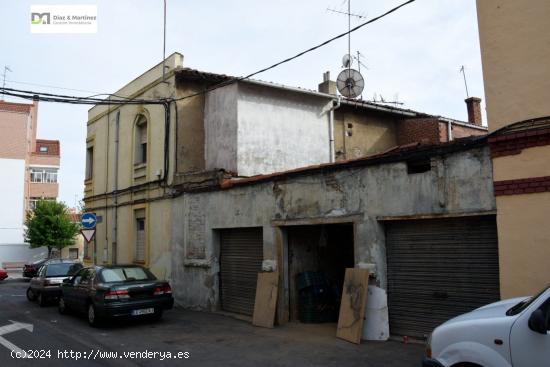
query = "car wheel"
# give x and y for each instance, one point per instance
(93, 317)
(30, 295)
(62, 306)
(41, 300)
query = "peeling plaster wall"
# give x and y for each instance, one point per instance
(253, 129)
(457, 183)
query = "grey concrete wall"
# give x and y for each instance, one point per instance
(252, 129)
(220, 126)
(456, 184)
(280, 130)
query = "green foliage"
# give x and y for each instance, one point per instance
(50, 225)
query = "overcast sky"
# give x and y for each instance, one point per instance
(413, 55)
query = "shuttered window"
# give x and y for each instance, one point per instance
(140, 236)
(439, 269)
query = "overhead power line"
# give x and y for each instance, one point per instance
(48, 97)
(311, 49)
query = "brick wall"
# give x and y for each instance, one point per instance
(418, 130)
(13, 134)
(460, 131)
(512, 144)
(522, 186)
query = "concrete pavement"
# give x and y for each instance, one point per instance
(208, 339)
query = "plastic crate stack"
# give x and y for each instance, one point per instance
(317, 298)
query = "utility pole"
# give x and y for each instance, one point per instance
(6, 69)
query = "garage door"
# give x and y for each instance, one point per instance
(241, 254)
(438, 269)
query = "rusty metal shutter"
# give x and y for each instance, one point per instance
(438, 269)
(241, 255)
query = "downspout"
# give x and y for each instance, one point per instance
(449, 130)
(331, 128)
(114, 250)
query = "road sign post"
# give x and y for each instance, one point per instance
(88, 222)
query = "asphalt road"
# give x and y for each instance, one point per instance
(208, 339)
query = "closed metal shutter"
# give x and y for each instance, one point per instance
(438, 269)
(241, 255)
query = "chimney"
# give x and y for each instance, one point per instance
(327, 86)
(474, 110)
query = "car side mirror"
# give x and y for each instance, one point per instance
(537, 322)
(67, 280)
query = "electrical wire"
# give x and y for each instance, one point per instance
(311, 49)
(48, 97)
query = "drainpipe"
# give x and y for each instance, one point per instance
(449, 130)
(331, 128)
(115, 201)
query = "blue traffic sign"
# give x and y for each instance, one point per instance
(88, 220)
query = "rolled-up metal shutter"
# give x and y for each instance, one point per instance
(438, 269)
(241, 255)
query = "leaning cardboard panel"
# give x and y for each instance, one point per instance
(266, 299)
(352, 307)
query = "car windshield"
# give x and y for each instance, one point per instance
(518, 308)
(125, 274)
(38, 261)
(61, 269)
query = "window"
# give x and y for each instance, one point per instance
(43, 175)
(89, 163)
(34, 200)
(139, 255)
(141, 141)
(43, 149)
(122, 274)
(419, 166)
(73, 253)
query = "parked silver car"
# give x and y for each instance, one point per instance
(46, 285)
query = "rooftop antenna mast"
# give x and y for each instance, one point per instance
(164, 44)
(6, 69)
(350, 82)
(463, 71)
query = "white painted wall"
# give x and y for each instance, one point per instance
(12, 186)
(253, 129)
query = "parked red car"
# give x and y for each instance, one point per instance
(3, 274)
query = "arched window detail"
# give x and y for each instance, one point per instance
(140, 155)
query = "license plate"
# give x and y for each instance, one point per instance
(143, 311)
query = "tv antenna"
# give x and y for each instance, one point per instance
(463, 71)
(350, 82)
(6, 69)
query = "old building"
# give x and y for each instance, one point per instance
(190, 185)
(421, 218)
(514, 49)
(29, 168)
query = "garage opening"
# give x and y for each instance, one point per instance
(241, 255)
(318, 256)
(439, 269)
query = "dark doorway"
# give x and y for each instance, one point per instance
(318, 256)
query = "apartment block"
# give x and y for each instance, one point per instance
(28, 172)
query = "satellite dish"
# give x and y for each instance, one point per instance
(346, 61)
(350, 83)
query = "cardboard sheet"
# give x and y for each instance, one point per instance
(265, 304)
(352, 307)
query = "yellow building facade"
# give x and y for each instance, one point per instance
(515, 49)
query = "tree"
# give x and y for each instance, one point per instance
(50, 225)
